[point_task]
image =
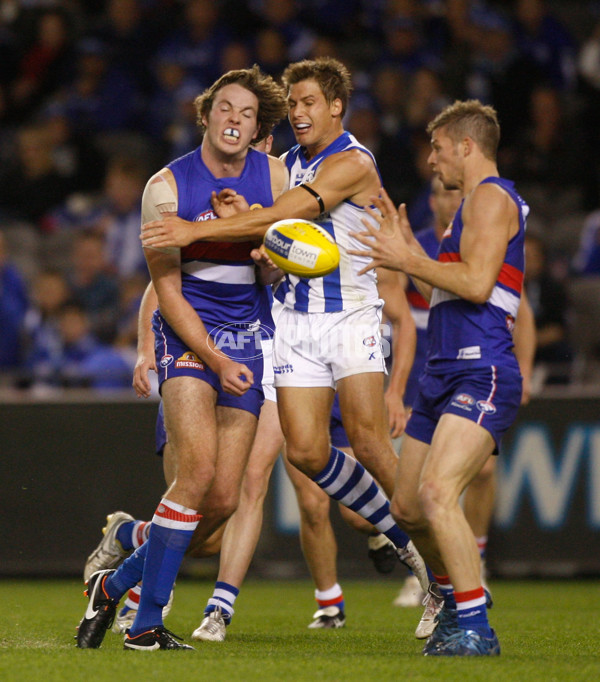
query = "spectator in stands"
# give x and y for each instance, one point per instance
(544, 38)
(46, 65)
(76, 155)
(403, 47)
(120, 223)
(394, 159)
(198, 40)
(102, 97)
(30, 183)
(79, 360)
(426, 97)
(41, 341)
(389, 93)
(130, 296)
(172, 83)
(236, 55)
(92, 284)
(497, 73)
(586, 262)
(271, 51)
(283, 17)
(548, 298)
(546, 157)
(418, 202)
(13, 306)
(131, 30)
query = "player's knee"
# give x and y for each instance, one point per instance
(433, 499)
(314, 509)
(193, 485)
(369, 449)
(407, 516)
(220, 504)
(254, 486)
(309, 460)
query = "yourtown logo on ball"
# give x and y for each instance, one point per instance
(241, 340)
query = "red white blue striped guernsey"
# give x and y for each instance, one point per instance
(471, 334)
(218, 278)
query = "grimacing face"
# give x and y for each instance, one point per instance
(232, 122)
(312, 118)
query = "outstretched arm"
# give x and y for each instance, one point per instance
(339, 177)
(489, 218)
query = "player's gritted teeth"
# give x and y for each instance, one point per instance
(231, 134)
(301, 127)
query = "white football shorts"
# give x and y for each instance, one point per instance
(319, 349)
(267, 380)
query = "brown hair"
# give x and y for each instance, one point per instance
(472, 119)
(331, 75)
(272, 104)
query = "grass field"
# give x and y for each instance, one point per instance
(548, 631)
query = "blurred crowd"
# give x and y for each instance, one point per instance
(95, 96)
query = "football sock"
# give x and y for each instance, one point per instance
(346, 480)
(172, 528)
(127, 575)
(472, 611)
(133, 534)
(224, 595)
(331, 597)
(447, 590)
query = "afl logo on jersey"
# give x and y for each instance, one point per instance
(465, 399)
(486, 406)
(206, 215)
(166, 360)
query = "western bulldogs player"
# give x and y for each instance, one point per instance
(207, 294)
(471, 388)
(479, 497)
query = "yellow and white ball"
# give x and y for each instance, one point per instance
(301, 247)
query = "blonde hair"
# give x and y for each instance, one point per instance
(330, 74)
(470, 118)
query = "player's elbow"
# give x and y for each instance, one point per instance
(479, 291)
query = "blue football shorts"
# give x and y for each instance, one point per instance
(489, 396)
(175, 359)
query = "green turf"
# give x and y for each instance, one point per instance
(548, 631)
